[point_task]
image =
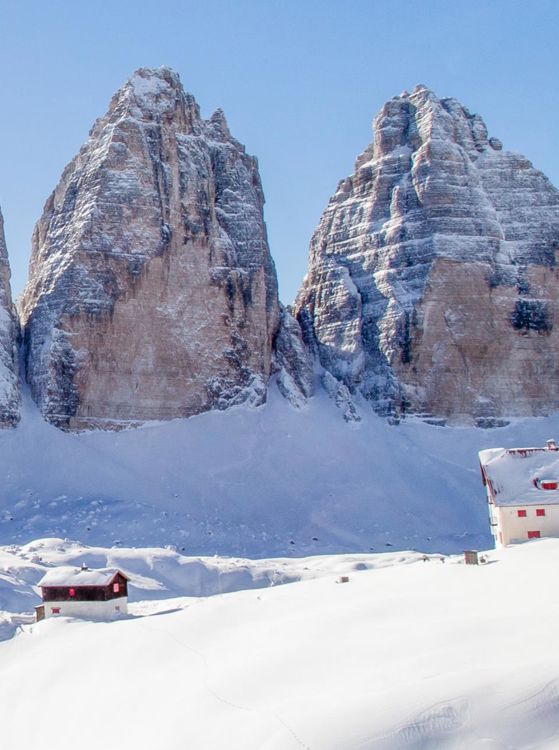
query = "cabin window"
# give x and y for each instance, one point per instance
(533, 535)
(540, 511)
(116, 588)
(72, 592)
(521, 513)
(55, 610)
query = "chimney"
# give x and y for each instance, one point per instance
(551, 445)
(84, 566)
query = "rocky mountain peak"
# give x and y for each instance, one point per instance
(432, 285)
(152, 293)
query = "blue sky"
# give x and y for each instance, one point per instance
(299, 81)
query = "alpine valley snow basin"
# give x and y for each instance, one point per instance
(255, 482)
(409, 655)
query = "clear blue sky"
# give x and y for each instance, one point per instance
(299, 81)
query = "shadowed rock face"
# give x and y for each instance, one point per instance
(433, 283)
(9, 387)
(151, 293)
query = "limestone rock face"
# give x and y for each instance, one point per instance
(433, 283)
(152, 293)
(9, 387)
(292, 361)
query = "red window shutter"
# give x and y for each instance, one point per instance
(116, 588)
(533, 535)
(72, 592)
(521, 513)
(540, 511)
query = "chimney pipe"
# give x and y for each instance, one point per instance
(551, 445)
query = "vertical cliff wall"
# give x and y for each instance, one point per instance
(151, 292)
(9, 387)
(433, 285)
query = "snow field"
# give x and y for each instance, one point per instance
(412, 655)
(255, 482)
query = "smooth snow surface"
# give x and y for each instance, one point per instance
(255, 482)
(416, 656)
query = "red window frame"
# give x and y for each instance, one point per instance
(540, 511)
(116, 587)
(521, 513)
(72, 592)
(534, 535)
(55, 610)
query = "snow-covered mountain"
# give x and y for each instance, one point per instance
(432, 285)
(152, 293)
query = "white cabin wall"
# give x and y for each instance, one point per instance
(515, 529)
(89, 610)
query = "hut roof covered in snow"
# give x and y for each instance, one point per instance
(67, 575)
(522, 476)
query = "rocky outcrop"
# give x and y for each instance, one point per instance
(433, 284)
(9, 388)
(151, 293)
(292, 361)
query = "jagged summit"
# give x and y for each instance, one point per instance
(432, 284)
(151, 292)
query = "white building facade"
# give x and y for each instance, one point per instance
(522, 486)
(100, 594)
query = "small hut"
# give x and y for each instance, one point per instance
(91, 594)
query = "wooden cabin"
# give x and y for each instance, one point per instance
(90, 594)
(522, 486)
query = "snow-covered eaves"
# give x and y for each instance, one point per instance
(66, 575)
(522, 476)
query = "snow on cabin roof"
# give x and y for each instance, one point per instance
(522, 476)
(67, 575)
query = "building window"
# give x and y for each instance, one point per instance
(116, 588)
(533, 535)
(72, 592)
(521, 513)
(540, 511)
(55, 610)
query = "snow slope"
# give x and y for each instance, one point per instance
(254, 482)
(416, 656)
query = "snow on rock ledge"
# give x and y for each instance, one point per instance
(152, 293)
(432, 285)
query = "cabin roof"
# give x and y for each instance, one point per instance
(67, 575)
(516, 475)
